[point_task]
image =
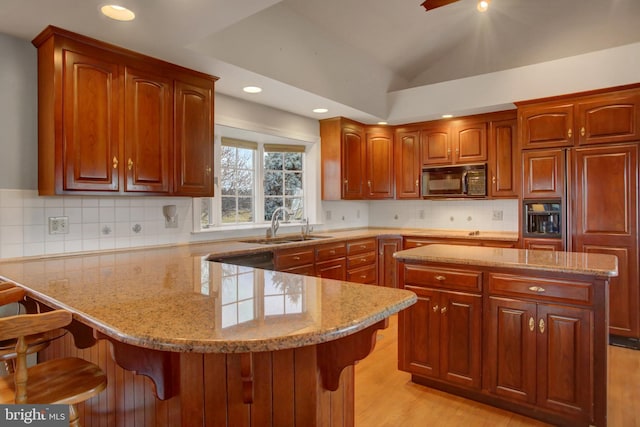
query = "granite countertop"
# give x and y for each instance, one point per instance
(173, 299)
(525, 259)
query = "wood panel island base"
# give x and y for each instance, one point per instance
(524, 330)
(189, 342)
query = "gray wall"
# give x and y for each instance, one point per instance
(18, 114)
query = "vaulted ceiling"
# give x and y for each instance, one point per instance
(346, 55)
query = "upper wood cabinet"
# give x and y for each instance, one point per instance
(407, 164)
(591, 119)
(458, 141)
(356, 160)
(504, 165)
(114, 122)
(544, 173)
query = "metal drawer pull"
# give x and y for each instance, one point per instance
(332, 252)
(440, 278)
(130, 163)
(443, 310)
(435, 308)
(532, 324)
(541, 326)
(538, 289)
(363, 260)
(364, 276)
(297, 258)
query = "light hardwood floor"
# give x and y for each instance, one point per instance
(385, 396)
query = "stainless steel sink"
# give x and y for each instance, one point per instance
(284, 239)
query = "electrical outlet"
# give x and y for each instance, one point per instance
(58, 225)
(328, 215)
(497, 215)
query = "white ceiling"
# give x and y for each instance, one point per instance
(346, 55)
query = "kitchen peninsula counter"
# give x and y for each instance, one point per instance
(223, 344)
(524, 330)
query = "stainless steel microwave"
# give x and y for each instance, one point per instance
(455, 181)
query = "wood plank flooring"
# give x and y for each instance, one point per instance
(387, 397)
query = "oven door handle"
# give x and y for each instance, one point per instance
(465, 182)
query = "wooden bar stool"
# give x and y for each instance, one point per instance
(60, 381)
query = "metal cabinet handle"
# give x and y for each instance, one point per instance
(417, 183)
(364, 276)
(297, 258)
(569, 133)
(208, 170)
(435, 308)
(115, 162)
(532, 324)
(443, 310)
(369, 183)
(493, 180)
(363, 259)
(538, 289)
(582, 131)
(130, 163)
(332, 252)
(440, 278)
(541, 326)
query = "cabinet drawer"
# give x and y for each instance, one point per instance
(360, 246)
(330, 251)
(334, 269)
(361, 259)
(294, 257)
(442, 278)
(305, 270)
(417, 242)
(366, 275)
(541, 289)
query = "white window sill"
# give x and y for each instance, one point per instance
(262, 226)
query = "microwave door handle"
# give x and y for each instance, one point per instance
(465, 181)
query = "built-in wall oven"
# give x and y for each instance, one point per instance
(457, 181)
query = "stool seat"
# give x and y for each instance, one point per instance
(59, 381)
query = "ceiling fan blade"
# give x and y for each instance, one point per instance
(433, 4)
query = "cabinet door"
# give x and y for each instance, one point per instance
(461, 338)
(407, 164)
(565, 359)
(543, 244)
(435, 145)
(546, 125)
(193, 151)
(606, 221)
(91, 159)
(387, 264)
(419, 334)
(147, 125)
(379, 164)
(504, 165)
(470, 142)
(353, 162)
(543, 173)
(511, 349)
(609, 118)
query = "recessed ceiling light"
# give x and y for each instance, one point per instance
(383, 123)
(483, 5)
(252, 89)
(447, 116)
(320, 110)
(118, 13)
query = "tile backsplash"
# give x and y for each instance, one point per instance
(98, 223)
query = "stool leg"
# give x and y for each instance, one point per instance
(74, 421)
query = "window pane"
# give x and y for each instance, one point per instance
(270, 205)
(227, 157)
(293, 161)
(245, 209)
(244, 182)
(245, 158)
(228, 209)
(295, 205)
(227, 183)
(293, 184)
(273, 183)
(273, 161)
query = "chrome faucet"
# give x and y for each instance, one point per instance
(306, 228)
(275, 222)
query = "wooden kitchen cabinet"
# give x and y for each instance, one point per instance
(594, 118)
(504, 160)
(407, 163)
(362, 261)
(387, 264)
(450, 142)
(298, 260)
(543, 174)
(379, 163)
(441, 335)
(543, 244)
(108, 121)
(331, 261)
(356, 160)
(606, 221)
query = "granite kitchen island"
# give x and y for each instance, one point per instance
(185, 341)
(525, 330)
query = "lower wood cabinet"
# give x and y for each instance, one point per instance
(362, 261)
(331, 262)
(543, 244)
(387, 264)
(298, 260)
(533, 343)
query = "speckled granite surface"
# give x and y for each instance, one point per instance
(173, 299)
(567, 262)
